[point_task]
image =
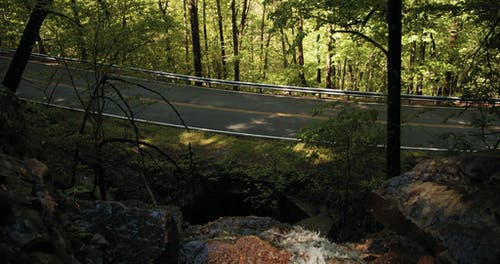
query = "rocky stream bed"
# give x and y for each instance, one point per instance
(442, 211)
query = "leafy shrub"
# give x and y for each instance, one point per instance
(352, 137)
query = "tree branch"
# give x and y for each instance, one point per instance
(365, 37)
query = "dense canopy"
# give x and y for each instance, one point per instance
(450, 47)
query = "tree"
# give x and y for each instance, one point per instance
(237, 31)
(195, 36)
(394, 87)
(221, 39)
(300, 49)
(30, 36)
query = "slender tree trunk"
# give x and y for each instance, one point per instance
(186, 36)
(283, 48)
(294, 50)
(342, 86)
(266, 55)
(205, 37)
(300, 50)
(351, 77)
(26, 44)
(163, 6)
(236, 48)
(394, 16)
(432, 54)
(221, 39)
(318, 59)
(195, 37)
(262, 31)
(450, 76)
(413, 56)
(243, 19)
(238, 34)
(329, 69)
(421, 61)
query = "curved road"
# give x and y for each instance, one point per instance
(267, 115)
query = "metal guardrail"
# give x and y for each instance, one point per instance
(285, 88)
(233, 133)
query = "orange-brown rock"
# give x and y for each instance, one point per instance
(249, 249)
(259, 240)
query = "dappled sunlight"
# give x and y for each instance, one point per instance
(200, 139)
(318, 156)
(246, 125)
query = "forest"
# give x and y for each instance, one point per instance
(450, 47)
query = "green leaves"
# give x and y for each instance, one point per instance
(351, 128)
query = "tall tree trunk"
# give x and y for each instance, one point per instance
(329, 56)
(294, 50)
(163, 6)
(351, 77)
(413, 57)
(195, 37)
(450, 76)
(394, 88)
(236, 48)
(318, 59)
(238, 34)
(342, 86)
(266, 56)
(300, 50)
(26, 44)
(186, 35)
(221, 39)
(421, 61)
(243, 18)
(283, 48)
(262, 30)
(205, 37)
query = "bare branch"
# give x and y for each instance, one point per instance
(140, 142)
(157, 93)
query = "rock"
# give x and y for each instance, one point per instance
(27, 231)
(321, 223)
(120, 233)
(36, 168)
(386, 246)
(259, 240)
(247, 249)
(446, 205)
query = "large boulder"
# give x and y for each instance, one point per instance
(108, 231)
(37, 227)
(259, 240)
(28, 230)
(451, 206)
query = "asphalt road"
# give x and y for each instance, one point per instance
(248, 113)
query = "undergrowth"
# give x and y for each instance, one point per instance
(263, 170)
